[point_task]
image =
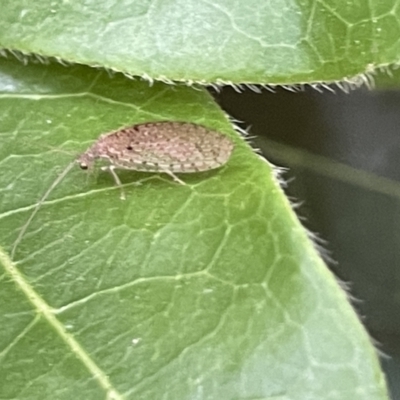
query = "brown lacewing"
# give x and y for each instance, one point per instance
(168, 147)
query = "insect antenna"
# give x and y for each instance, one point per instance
(38, 205)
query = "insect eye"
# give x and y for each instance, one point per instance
(83, 166)
(129, 147)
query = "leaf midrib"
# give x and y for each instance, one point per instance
(42, 308)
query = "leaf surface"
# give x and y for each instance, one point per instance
(210, 41)
(210, 290)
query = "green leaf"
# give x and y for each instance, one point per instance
(210, 290)
(210, 41)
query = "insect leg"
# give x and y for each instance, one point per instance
(173, 176)
(111, 169)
